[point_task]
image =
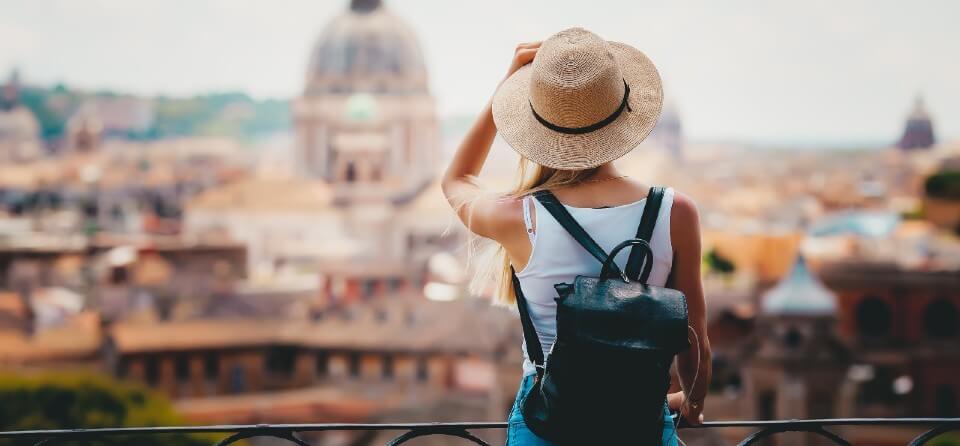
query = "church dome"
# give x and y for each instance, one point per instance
(799, 294)
(18, 124)
(366, 49)
(918, 132)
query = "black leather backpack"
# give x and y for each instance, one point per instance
(606, 378)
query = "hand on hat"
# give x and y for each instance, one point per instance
(523, 55)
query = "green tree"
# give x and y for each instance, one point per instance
(718, 263)
(944, 185)
(65, 401)
(949, 439)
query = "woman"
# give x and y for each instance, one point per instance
(580, 104)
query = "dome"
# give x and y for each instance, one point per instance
(19, 124)
(918, 132)
(366, 49)
(799, 294)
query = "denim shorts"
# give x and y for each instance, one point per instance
(518, 434)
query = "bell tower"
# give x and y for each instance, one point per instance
(798, 364)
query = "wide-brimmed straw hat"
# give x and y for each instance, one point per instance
(581, 103)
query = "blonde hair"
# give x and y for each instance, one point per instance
(487, 257)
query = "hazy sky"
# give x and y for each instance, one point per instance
(812, 71)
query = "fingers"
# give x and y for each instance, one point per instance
(528, 45)
(526, 55)
(696, 420)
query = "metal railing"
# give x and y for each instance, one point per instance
(289, 432)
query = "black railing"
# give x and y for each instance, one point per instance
(763, 429)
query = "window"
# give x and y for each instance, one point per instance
(238, 379)
(423, 372)
(353, 365)
(395, 284)
(793, 338)
(351, 173)
(211, 366)
(388, 367)
(281, 360)
(940, 319)
(182, 367)
(873, 317)
(322, 363)
(123, 368)
(368, 287)
(118, 275)
(152, 370)
(767, 405)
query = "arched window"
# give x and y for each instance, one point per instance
(940, 319)
(351, 174)
(793, 338)
(873, 317)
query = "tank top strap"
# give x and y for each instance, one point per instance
(527, 203)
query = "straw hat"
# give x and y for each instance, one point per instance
(581, 103)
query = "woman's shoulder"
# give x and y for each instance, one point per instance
(684, 219)
(682, 207)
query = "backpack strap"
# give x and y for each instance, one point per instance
(562, 215)
(651, 210)
(530, 338)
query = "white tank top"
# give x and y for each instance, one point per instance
(556, 257)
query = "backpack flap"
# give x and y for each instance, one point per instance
(628, 315)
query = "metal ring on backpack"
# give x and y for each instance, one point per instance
(606, 273)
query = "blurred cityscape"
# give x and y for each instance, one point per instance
(266, 261)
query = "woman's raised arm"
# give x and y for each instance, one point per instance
(481, 213)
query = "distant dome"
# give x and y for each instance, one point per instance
(799, 294)
(18, 124)
(918, 133)
(366, 49)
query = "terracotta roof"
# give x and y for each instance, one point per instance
(396, 324)
(329, 404)
(266, 195)
(79, 337)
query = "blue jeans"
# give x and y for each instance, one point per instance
(518, 434)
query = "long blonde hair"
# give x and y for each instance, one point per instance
(488, 258)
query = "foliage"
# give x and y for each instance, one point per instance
(221, 114)
(949, 439)
(919, 213)
(718, 263)
(944, 185)
(64, 401)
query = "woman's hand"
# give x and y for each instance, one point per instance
(692, 412)
(523, 55)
